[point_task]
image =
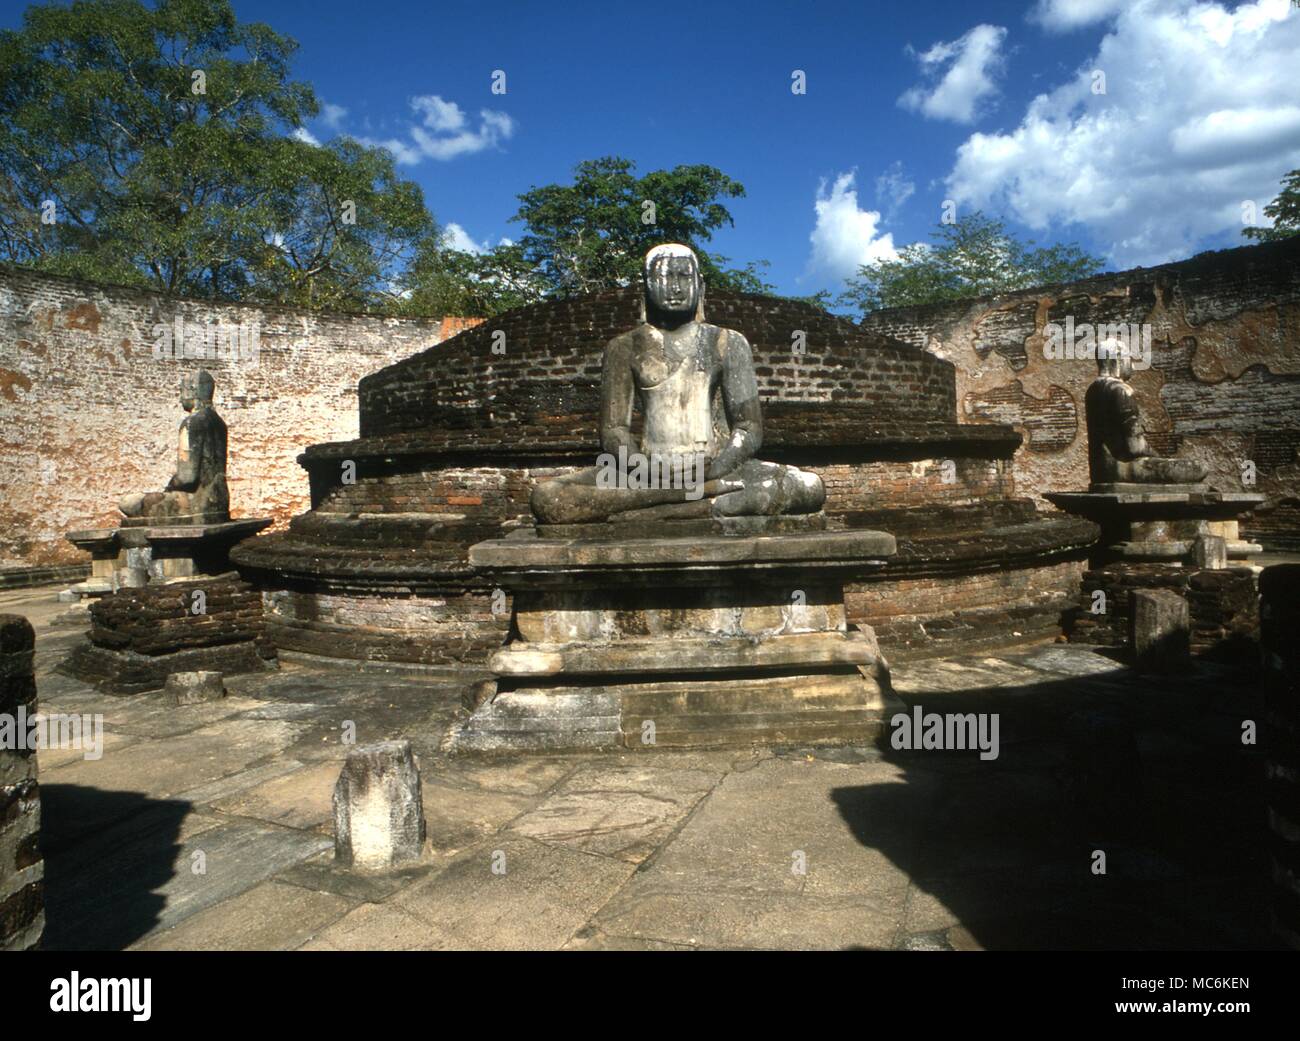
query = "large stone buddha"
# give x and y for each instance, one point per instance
(197, 492)
(1118, 452)
(694, 384)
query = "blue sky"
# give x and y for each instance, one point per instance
(991, 104)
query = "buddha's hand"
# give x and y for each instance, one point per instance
(721, 486)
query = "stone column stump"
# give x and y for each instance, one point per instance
(1160, 630)
(378, 814)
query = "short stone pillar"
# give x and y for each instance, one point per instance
(1279, 611)
(22, 869)
(378, 815)
(1159, 630)
(1210, 552)
(193, 688)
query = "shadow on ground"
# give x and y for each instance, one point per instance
(108, 855)
(1151, 773)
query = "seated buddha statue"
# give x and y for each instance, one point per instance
(1118, 452)
(197, 492)
(702, 422)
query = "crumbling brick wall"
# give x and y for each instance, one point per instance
(1224, 385)
(89, 408)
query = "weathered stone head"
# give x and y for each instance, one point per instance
(1114, 360)
(674, 290)
(196, 390)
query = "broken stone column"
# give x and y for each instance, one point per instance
(1159, 630)
(1210, 552)
(193, 688)
(22, 869)
(378, 815)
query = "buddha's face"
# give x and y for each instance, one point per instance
(673, 285)
(189, 395)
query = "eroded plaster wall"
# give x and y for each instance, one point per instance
(1223, 385)
(89, 409)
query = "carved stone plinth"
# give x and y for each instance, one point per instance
(138, 552)
(669, 641)
(1160, 523)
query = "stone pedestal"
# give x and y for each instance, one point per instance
(1160, 523)
(715, 634)
(139, 637)
(140, 552)
(1179, 538)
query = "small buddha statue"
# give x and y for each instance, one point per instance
(197, 492)
(1118, 452)
(695, 386)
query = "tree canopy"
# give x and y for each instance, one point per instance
(973, 256)
(594, 233)
(156, 147)
(1284, 211)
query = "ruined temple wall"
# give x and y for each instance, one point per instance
(536, 369)
(1223, 386)
(88, 413)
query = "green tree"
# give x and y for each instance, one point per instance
(1284, 211)
(593, 234)
(972, 257)
(351, 228)
(445, 281)
(152, 146)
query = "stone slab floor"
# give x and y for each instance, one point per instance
(210, 826)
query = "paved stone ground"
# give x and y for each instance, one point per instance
(904, 850)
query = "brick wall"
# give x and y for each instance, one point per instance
(88, 413)
(1224, 386)
(545, 370)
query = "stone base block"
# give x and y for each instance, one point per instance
(128, 672)
(1222, 603)
(835, 706)
(1159, 631)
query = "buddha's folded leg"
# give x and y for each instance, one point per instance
(771, 489)
(578, 498)
(1157, 470)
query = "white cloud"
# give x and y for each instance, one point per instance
(1064, 15)
(332, 115)
(456, 237)
(303, 134)
(964, 70)
(845, 237)
(894, 188)
(444, 132)
(1199, 116)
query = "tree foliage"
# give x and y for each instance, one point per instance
(1284, 211)
(974, 256)
(155, 147)
(594, 233)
